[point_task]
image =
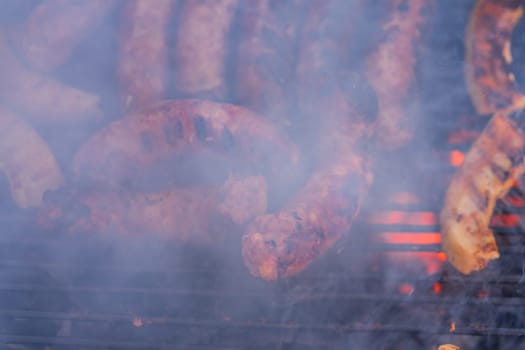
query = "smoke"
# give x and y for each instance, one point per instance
(146, 289)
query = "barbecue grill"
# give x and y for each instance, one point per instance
(385, 286)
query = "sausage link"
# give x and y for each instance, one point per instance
(266, 57)
(143, 52)
(29, 165)
(390, 69)
(121, 153)
(202, 46)
(40, 97)
(197, 215)
(47, 38)
(283, 244)
(491, 84)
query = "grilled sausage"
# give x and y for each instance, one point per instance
(123, 151)
(40, 97)
(491, 84)
(266, 57)
(283, 244)
(390, 69)
(324, 49)
(200, 215)
(201, 47)
(47, 38)
(143, 52)
(492, 165)
(26, 160)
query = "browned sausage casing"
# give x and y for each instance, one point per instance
(283, 244)
(490, 82)
(125, 149)
(266, 56)
(201, 47)
(200, 214)
(390, 69)
(29, 165)
(49, 35)
(143, 52)
(40, 97)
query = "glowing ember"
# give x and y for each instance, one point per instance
(404, 198)
(137, 322)
(396, 217)
(411, 238)
(456, 158)
(505, 220)
(406, 289)
(431, 262)
(437, 288)
(449, 347)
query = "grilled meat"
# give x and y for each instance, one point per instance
(39, 97)
(266, 57)
(201, 47)
(26, 160)
(390, 69)
(199, 215)
(490, 82)
(143, 52)
(283, 244)
(49, 35)
(492, 165)
(122, 152)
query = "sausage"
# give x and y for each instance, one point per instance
(143, 52)
(47, 38)
(121, 153)
(324, 49)
(39, 97)
(196, 215)
(390, 69)
(201, 47)
(29, 165)
(490, 82)
(283, 244)
(266, 57)
(495, 161)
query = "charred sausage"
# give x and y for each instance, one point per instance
(40, 97)
(199, 215)
(390, 69)
(266, 57)
(283, 244)
(492, 165)
(28, 163)
(490, 82)
(121, 152)
(201, 47)
(143, 52)
(47, 38)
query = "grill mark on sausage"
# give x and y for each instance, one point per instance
(201, 130)
(173, 132)
(146, 138)
(227, 138)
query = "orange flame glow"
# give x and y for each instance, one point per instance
(395, 217)
(406, 288)
(432, 262)
(456, 158)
